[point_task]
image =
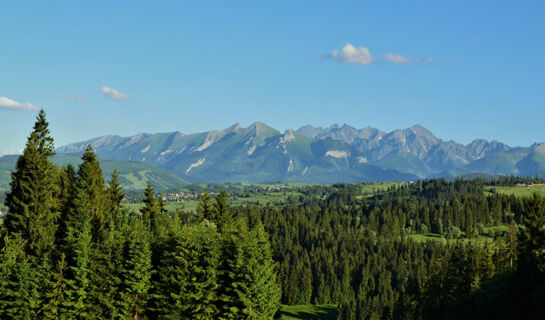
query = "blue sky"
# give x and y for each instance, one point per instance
(463, 69)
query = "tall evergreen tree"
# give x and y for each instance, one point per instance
(136, 275)
(92, 191)
(78, 302)
(67, 186)
(114, 193)
(32, 207)
(56, 295)
(532, 241)
(150, 206)
(86, 234)
(160, 220)
(20, 287)
(222, 210)
(205, 208)
(188, 277)
(248, 279)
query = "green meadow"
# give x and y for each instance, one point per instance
(308, 312)
(517, 191)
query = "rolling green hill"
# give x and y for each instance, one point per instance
(134, 175)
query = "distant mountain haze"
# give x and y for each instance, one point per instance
(260, 153)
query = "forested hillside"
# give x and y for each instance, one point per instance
(133, 176)
(70, 250)
(430, 249)
(370, 254)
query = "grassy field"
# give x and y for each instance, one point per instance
(370, 189)
(251, 198)
(379, 186)
(423, 237)
(309, 312)
(518, 191)
(481, 239)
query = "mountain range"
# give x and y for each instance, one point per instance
(314, 154)
(260, 153)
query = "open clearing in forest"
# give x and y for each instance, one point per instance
(309, 312)
(288, 195)
(518, 191)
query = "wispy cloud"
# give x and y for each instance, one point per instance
(390, 57)
(351, 54)
(7, 103)
(394, 58)
(114, 94)
(11, 151)
(76, 98)
(361, 55)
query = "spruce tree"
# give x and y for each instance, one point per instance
(67, 187)
(159, 220)
(86, 234)
(31, 223)
(222, 210)
(136, 274)
(92, 191)
(56, 295)
(532, 240)
(78, 248)
(247, 276)
(205, 208)
(32, 208)
(188, 277)
(114, 194)
(150, 206)
(21, 294)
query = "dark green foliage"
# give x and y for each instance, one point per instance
(70, 250)
(205, 208)
(189, 274)
(20, 286)
(136, 274)
(221, 210)
(32, 209)
(114, 193)
(248, 288)
(160, 220)
(150, 206)
(57, 292)
(532, 239)
(78, 250)
(91, 192)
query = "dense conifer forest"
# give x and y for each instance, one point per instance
(71, 249)
(362, 253)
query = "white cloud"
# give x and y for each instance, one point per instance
(351, 54)
(7, 103)
(76, 98)
(362, 55)
(114, 94)
(390, 57)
